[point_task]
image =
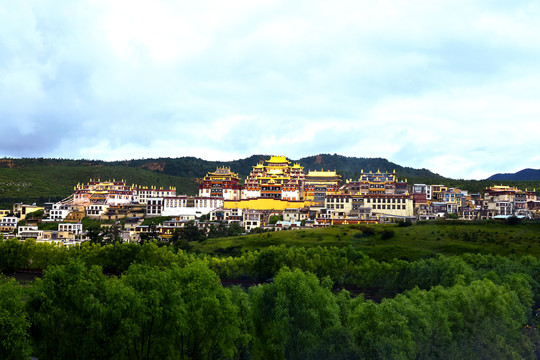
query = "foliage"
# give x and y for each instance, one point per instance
(290, 315)
(387, 234)
(274, 219)
(14, 322)
(477, 321)
(73, 303)
(163, 302)
(157, 220)
(35, 214)
(404, 223)
(49, 180)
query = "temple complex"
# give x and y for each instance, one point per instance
(97, 192)
(221, 184)
(103, 192)
(276, 178)
(319, 184)
(376, 183)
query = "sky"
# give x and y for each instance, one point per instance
(451, 86)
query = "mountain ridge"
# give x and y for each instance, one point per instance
(189, 166)
(45, 179)
(527, 174)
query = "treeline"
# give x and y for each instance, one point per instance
(166, 304)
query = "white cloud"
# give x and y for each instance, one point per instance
(451, 86)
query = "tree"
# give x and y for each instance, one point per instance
(274, 219)
(160, 313)
(387, 234)
(14, 254)
(234, 229)
(14, 322)
(213, 324)
(79, 313)
(291, 315)
(191, 232)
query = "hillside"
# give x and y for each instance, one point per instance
(40, 180)
(522, 175)
(54, 180)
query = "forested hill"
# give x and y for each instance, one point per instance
(522, 175)
(191, 167)
(39, 180)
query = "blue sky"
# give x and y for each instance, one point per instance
(453, 86)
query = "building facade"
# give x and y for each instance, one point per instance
(222, 183)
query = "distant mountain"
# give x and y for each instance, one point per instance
(348, 167)
(522, 175)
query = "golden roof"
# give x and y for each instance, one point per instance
(328, 173)
(278, 159)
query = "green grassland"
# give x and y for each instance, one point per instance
(409, 243)
(41, 183)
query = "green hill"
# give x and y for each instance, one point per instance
(54, 180)
(39, 180)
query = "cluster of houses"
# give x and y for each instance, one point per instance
(275, 189)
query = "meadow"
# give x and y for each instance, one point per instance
(389, 241)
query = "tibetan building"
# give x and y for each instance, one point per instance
(319, 184)
(221, 184)
(149, 192)
(275, 178)
(376, 183)
(97, 192)
(103, 192)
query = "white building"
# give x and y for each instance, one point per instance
(74, 229)
(154, 206)
(96, 210)
(29, 232)
(143, 194)
(390, 205)
(190, 206)
(58, 212)
(251, 193)
(9, 221)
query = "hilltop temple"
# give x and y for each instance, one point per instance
(376, 183)
(275, 178)
(319, 184)
(97, 192)
(221, 184)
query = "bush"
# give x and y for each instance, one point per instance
(368, 231)
(387, 234)
(405, 223)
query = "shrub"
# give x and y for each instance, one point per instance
(387, 234)
(405, 223)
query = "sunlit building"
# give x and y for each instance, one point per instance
(376, 183)
(319, 184)
(276, 179)
(104, 192)
(222, 183)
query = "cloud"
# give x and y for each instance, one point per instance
(451, 86)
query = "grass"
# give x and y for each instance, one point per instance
(41, 183)
(408, 243)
